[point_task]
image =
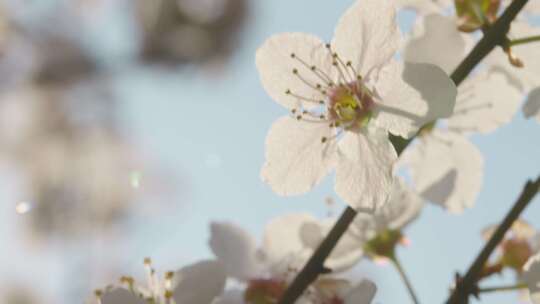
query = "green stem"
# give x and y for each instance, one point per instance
(503, 288)
(524, 40)
(405, 279)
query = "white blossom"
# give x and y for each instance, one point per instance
(446, 169)
(345, 96)
(287, 244)
(485, 102)
(202, 282)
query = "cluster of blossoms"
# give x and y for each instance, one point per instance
(253, 274)
(345, 99)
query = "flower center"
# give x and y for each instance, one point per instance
(350, 106)
(339, 95)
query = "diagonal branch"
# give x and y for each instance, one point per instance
(467, 286)
(494, 36)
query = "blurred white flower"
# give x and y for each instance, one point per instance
(446, 169)
(202, 282)
(485, 102)
(531, 275)
(345, 97)
(288, 242)
(435, 39)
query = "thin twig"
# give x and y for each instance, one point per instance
(468, 284)
(502, 288)
(494, 36)
(524, 40)
(405, 279)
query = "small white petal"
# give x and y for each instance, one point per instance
(532, 277)
(403, 207)
(236, 249)
(296, 157)
(282, 242)
(362, 293)
(121, 296)
(364, 170)
(345, 254)
(485, 102)
(532, 105)
(199, 283)
(436, 40)
(367, 35)
(275, 66)
(446, 169)
(412, 97)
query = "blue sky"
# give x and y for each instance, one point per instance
(210, 132)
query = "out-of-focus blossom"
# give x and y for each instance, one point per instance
(485, 102)
(531, 275)
(345, 97)
(518, 245)
(288, 242)
(436, 40)
(189, 31)
(202, 282)
(446, 169)
(380, 233)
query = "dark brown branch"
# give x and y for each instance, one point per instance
(468, 285)
(494, 36)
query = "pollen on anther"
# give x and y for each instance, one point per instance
(293, 111)
(321, 116)
(295, 71)
(299, 117)
(293, 55)
(323, 139)
(288, 92)
(304, 112)
(327, 45)
(321, 101)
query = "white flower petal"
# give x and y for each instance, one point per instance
(236, 249)
(364, 169)
(367, 34)
(532, 277)
(282, 242)
(412, 97)
(120, 296)
(275, 66)
(446, 169)
(485, 102)
(532, 105)
(362, 293)
(403, 207)
(296, 158)
(199, 283)
(436, 40)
